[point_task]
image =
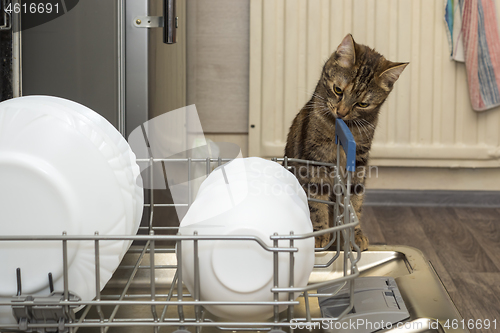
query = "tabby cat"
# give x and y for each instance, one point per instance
(354, 84)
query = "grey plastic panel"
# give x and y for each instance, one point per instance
(376, 300)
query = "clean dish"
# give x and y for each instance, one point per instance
(123, 148)
(111, 144)
(38, 141)
(240, 187)
(65, 111)
(114, 147)
(243, 270)
(50, 154)
(29, 179)
(255, 167)
(247, 170)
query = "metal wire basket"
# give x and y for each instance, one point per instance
(147, 290)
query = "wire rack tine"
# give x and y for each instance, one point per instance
(276, 280)
(197, 308)
(98, 280)
(151, 194)
(291, 279)
(153, 280)
(127, 285)
(169, 296)
(180, 309)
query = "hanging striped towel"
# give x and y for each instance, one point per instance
(473, 37)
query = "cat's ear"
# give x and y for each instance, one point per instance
(388, 77)
(346, 54)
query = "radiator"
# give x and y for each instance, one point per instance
(427, 120)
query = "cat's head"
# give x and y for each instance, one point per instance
(356, 80)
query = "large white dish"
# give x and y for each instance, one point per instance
(63, 177)
(241, 187)
(122, 146)
(255, 168)
(113, 146)
(69, 112)
(243, 270)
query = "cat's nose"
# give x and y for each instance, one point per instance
(341, 113)
(342, 110)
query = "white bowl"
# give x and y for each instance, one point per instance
(60, 174)
(256, 168)
(242, 270)
(113, 146)
(245, 185)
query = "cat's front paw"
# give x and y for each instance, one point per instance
(322, 241)
(360, 239)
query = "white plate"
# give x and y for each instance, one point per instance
(242, 270)
(114, 147)
(123, 148)
(51, 156)
(65, 111)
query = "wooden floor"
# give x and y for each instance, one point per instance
(463, 244)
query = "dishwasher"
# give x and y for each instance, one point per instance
(395, 285)
(387, 288)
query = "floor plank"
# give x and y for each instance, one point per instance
(480, 299)
(463, 245)
(456, 247)
(401, 227)
(371, 227)
(487, 233)
(477, 213)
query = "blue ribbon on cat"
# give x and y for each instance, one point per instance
(347, 142)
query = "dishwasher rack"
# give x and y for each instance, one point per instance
(170, 306)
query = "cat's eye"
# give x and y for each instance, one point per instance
(363, 105)
(337, 90)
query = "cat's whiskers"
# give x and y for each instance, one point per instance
(364, 129)
(315, 105)
(322, 111)
(368, 123)
(355, 123)
(316, 95)
(313, 94)
(318, 104)
(320, 108)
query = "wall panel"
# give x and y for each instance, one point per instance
(427, 120)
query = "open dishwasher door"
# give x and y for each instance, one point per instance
(427, 302)
(424, 297)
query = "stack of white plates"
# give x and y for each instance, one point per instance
(246, 197)
(63, 168)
